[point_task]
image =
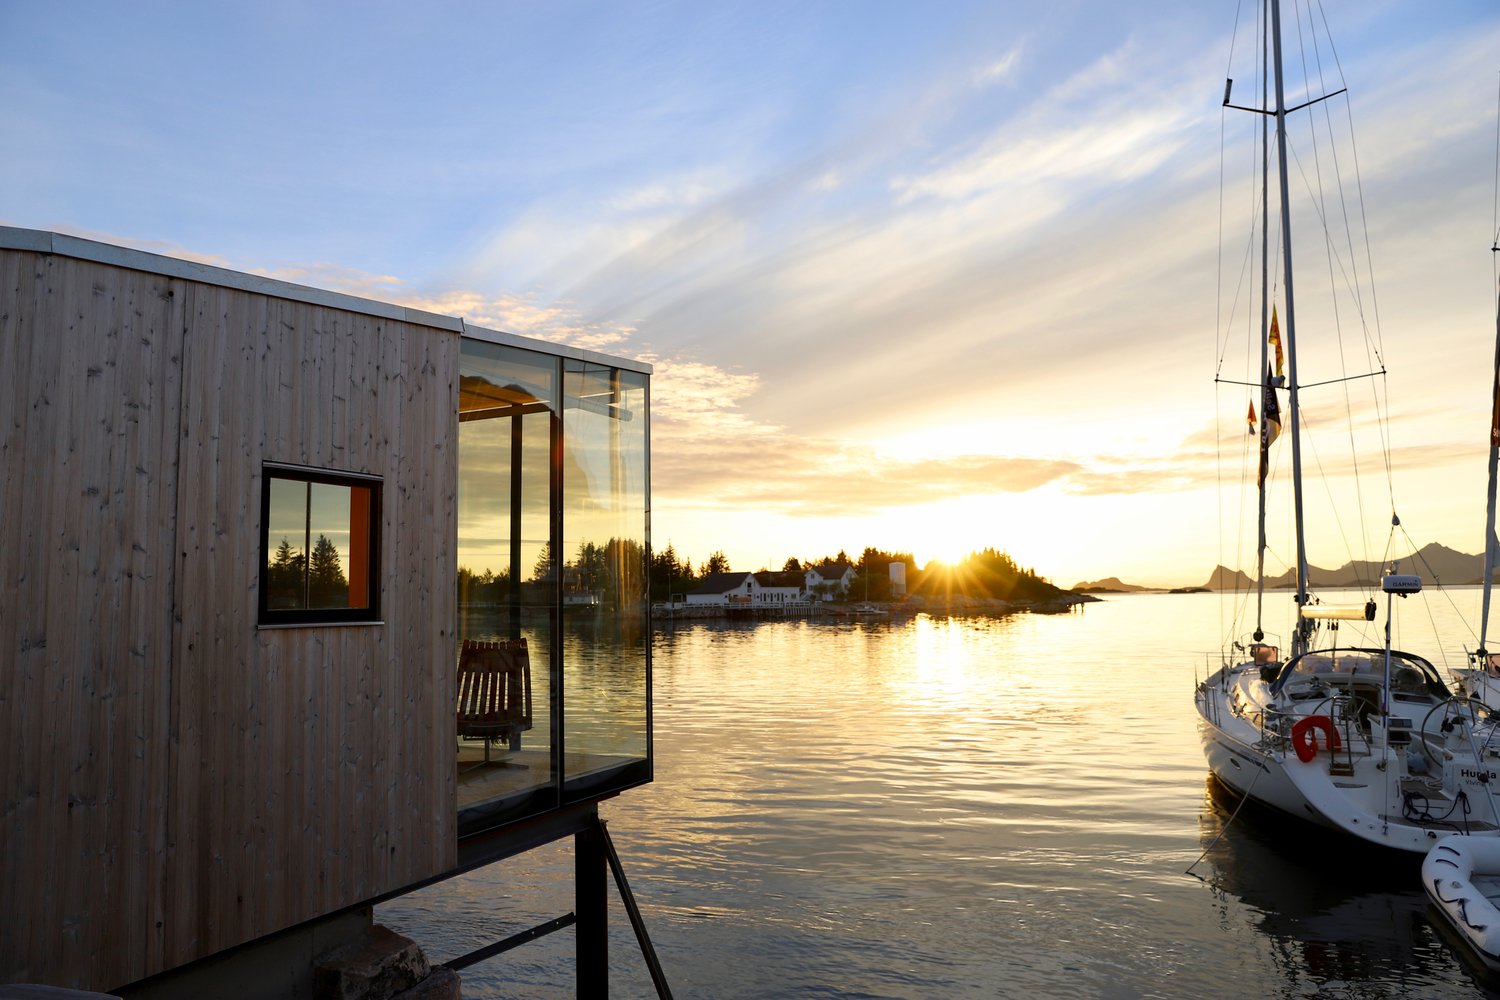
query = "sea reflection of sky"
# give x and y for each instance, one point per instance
(963, 808)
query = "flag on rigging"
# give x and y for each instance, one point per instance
(1250, 417)
(1276, 341)
(1270, 429)
(1495, 413)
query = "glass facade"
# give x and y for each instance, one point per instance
(554, 646)
(605, 589)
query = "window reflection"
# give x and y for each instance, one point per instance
(606, 646)
(506, 580)
(319, 547)
(552, 582)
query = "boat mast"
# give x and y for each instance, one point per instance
(1491, 544)
(1304, 627)
(1265, 296)
(1489, 524)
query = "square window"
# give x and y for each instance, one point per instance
(320, 545)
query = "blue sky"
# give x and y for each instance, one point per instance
(927, 277)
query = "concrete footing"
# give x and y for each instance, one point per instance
(383, 966)
(348, 957)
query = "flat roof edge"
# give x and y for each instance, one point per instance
(175, 267)
(553, 347)
(42, 241)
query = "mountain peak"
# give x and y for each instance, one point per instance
(1434, 562)
(1110, 585)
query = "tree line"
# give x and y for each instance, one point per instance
(985, 573)
(611, 572)
(295, 583)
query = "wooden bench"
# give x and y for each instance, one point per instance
(494, 692)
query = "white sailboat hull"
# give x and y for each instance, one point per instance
(1368, 789)
(1253, 774)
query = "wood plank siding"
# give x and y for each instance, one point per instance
(177, 781)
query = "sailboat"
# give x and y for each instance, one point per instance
(1481, 678)
(1461, 874)
(1367, 740)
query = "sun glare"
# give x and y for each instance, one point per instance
(1040, 529)
(948, 554)
(952, 529)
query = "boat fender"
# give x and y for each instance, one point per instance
(1305, 743)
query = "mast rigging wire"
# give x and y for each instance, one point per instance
(1337, 195)
(1495, 210)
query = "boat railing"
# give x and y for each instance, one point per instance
(1275, 730)
(1349, 714)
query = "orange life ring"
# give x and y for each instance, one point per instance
(1305, 743)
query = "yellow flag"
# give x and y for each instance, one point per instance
(1276, 340)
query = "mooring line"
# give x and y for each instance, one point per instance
(1225, 828)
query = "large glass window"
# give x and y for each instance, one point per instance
(606, 647)
(554, 643)
(507, 583)
(319, 547)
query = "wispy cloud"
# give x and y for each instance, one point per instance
(1111, 121)
(825, 230)
(887, 257)
(1001, 70)
(338, 277)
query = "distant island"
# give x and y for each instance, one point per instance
(1109, 585)
(1436, 564)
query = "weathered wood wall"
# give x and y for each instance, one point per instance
(175, 780)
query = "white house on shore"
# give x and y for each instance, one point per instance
(725, 588)
(780, 588)
(749, 589)
(828, 580)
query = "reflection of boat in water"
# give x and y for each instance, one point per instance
(1331, 909)
(864, 611)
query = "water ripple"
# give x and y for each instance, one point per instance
(964, 808)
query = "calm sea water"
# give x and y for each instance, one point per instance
(961, 807)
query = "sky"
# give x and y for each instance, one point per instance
(924, 277)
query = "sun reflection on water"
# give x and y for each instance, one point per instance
(933, 806)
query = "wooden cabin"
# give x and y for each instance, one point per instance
(254, 534)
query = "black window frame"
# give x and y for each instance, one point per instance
(319, 616)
